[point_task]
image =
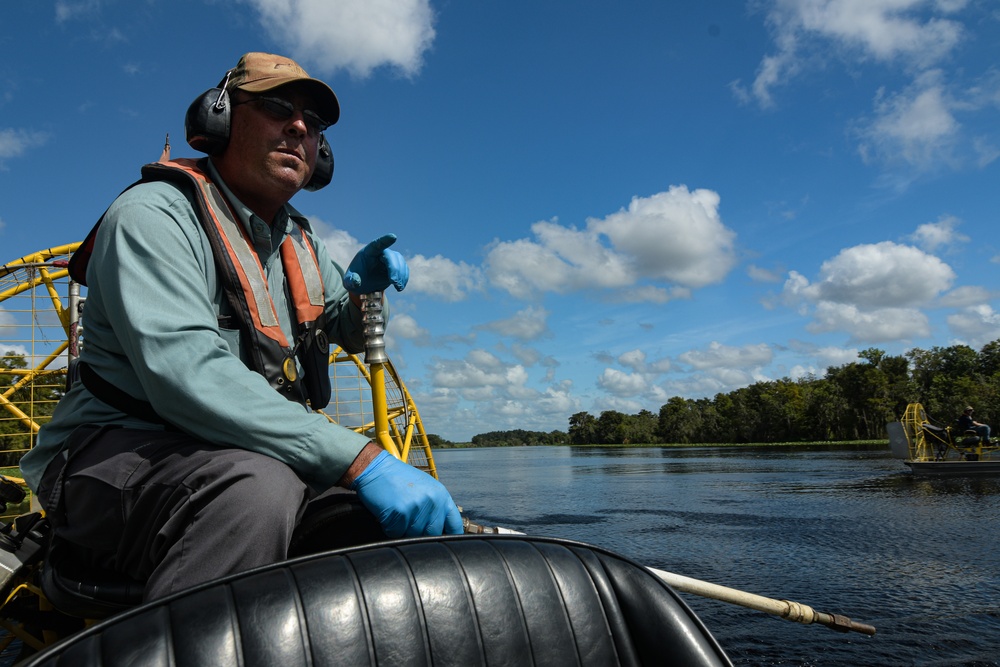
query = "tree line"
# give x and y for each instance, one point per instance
(849, 403)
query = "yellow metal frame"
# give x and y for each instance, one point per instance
(30, 289)
(370, 400)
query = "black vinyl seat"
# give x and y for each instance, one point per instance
(452, 601)
(85, 592)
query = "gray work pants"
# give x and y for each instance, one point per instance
(169, 509)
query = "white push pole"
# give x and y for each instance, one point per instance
(792, 611)
(787, 609)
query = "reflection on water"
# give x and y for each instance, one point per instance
(844, 529)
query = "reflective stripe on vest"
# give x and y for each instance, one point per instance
(245, 284)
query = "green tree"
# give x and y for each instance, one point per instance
(437, 442)
(611, 428)
(679, 421)
(641, 428)
(826, 411)
(583, 429)
(872, 355)
(865, 389)
(901, 390)
(742, 415)
(988, 361)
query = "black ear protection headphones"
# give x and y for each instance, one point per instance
(207, 126)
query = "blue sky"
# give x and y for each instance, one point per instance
(603, 204)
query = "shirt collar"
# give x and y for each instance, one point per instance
(247, 217)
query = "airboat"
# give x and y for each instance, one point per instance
(929, 448)
(492, 596)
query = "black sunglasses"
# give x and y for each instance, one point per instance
(283, 110)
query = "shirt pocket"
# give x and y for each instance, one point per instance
(232, 338)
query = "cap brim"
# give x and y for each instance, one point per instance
(329, 105)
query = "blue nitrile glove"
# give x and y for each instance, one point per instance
(375, 267)
(406, 501)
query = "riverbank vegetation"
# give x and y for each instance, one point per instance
(852, 403)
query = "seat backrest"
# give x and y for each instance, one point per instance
(461, 601)
(86, 592)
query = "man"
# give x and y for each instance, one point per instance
(189, 451)
(967, 423)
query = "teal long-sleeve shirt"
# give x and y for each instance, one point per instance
(152, 329)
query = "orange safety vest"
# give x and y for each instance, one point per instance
(269, 351)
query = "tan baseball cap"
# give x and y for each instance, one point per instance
(260, 72)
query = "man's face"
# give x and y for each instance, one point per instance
(269, 157)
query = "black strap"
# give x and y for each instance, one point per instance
(117, 398)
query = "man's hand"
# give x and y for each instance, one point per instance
(406, 501)
(375, 267)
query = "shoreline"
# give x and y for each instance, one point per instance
(676, 445)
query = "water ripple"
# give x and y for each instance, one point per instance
(845, 530)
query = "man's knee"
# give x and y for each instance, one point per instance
(257, 485)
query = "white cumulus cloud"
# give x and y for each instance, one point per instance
(941, 234)
(14, 143)
(443, 278)
(405, 326)
(872, 326)
(354, 35)
(674, 239)
(876, 275)
(913, 33)
(719, 356)
(480, 369)
(874, 292)
(965, 296)
(916, 126)
(676, 236)
(528, 324)
(619, 383)
(978, 324)
(825, 356)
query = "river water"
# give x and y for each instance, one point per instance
(846, 530)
